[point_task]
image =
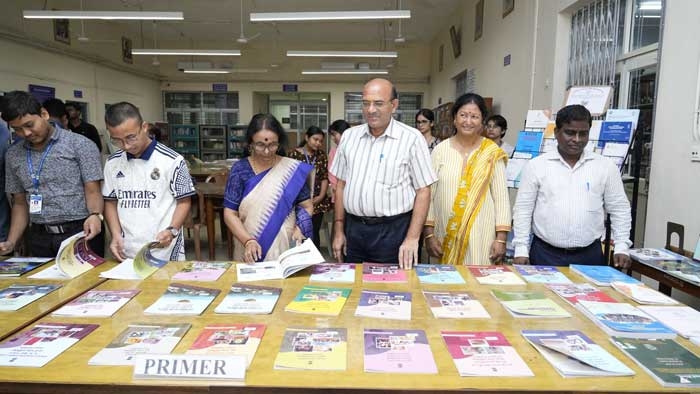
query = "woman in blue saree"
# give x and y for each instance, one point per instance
(267, 203)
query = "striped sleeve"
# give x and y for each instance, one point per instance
(422, 173)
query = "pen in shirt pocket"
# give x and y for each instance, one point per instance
(588, 186)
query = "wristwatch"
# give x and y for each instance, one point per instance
(175, 232)
(99, 215)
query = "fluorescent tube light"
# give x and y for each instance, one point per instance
(249, 70)
(205, 71)
(348, 72)
(650, 5)
(328, 16)
(105, 15)
(188, 52)
(341, 54)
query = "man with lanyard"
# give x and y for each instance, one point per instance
(383, 192)
(147, 189)
(54, 178)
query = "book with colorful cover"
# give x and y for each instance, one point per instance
(319, 300)
(484, 354)
(387, 273)
(333, 272)
(206, 271)
(138, 339)
(642, 294)
(181, 299)
(495, 275)
(442, 274)
(42, 343)
(320, 349)
(384, 305)
(398, 351)
(573, 354)
(541, 274)
(681, 319)
(75, 257)
(601, 275)
(529, 304)
(666, 361)
(243, 298)
(97, 303)
(16, 296)
(624, 320)
(454, 304)
(235, 339)
(574, 292)
(12, 268)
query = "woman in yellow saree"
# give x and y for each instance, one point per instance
(469, 217)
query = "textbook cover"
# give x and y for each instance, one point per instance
(181, 299)
(205, 271)
(140, 338)
(681, 319)
(529, 304)
(318, 300)
(15, 297)
(454, 304)
(624, 320)
(10, 268)
(575, 292)
(384, 305)
(333, 272)
(249, 299)
(398, 351)
(97, 303)
(317, 349)
(541, 274)
(601, 275)
(443, 274)
(495, 275)
(42, 343)
(236, 339)
(642, 294)
(387, 273)
(669, 363)
(484, 354)
(75, 257)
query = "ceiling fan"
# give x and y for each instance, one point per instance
(242, 39)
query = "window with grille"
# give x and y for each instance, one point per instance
(201, 108)
(409, 104)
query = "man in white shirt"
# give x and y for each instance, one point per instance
(383, 191)
(147, 188)
(562, 201)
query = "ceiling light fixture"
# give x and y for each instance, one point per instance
(105, 15)
(650, 5)
(341, 54)
(328, 16)
(207, 71)
(187, 52)
(347, 72)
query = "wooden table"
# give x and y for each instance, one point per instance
(210, 193)
(69, 372)
(667, 280)
(12, 322)
(200, 172)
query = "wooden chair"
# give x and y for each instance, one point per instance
(226, 236)
(678, 229)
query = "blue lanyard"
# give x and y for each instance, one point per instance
(313, 163)
(30, 165)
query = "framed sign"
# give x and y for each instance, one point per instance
(595, 98)
(479, 20)
(126, 50)
(508, 6)
(61, 30)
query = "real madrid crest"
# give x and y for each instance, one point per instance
(155, 174)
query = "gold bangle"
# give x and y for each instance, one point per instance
(428, 236)
(501, 241)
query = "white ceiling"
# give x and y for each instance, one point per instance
(215, 24)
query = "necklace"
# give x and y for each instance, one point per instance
(257, 168)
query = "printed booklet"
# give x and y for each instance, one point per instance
(624, 320)
(573, 354)
(642, 294)
(318, 300)
(669, 363)
(181, 299)
(495, 275)
(333, 272)
(15, 297)
(601, 275)
(384, 305)
(386, 273)
(75, 257)
(138, 339)
(484, 354)
(454, 304)
(541, 274)
(42, 343)
(324, 349)
(16, 266)
(529, 304)
(442, 274)
(235, 339)
(288, 263)
(398, 351)
(205, 271)
(681, 319)
(97, 303)
(243, 298)
(654, 254)
(575, 292)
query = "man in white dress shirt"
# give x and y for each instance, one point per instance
(383, 191)
(562, 201)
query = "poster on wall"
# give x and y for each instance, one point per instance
(126, 50)
(479, 20)
(61, 30)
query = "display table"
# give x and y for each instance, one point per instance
(11, 322)
(667, 279)
(69, 372)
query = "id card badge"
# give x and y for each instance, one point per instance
(35, 203)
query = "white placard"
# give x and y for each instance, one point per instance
(594, 98)
(536, 119)
(189, 367)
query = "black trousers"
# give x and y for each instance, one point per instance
(317, 222)
(378, 242)
(542, 253)
(41, 243)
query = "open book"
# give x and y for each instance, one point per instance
(289, 263)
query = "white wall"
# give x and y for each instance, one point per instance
(674, 188)
(23, 65)
(335, 89)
